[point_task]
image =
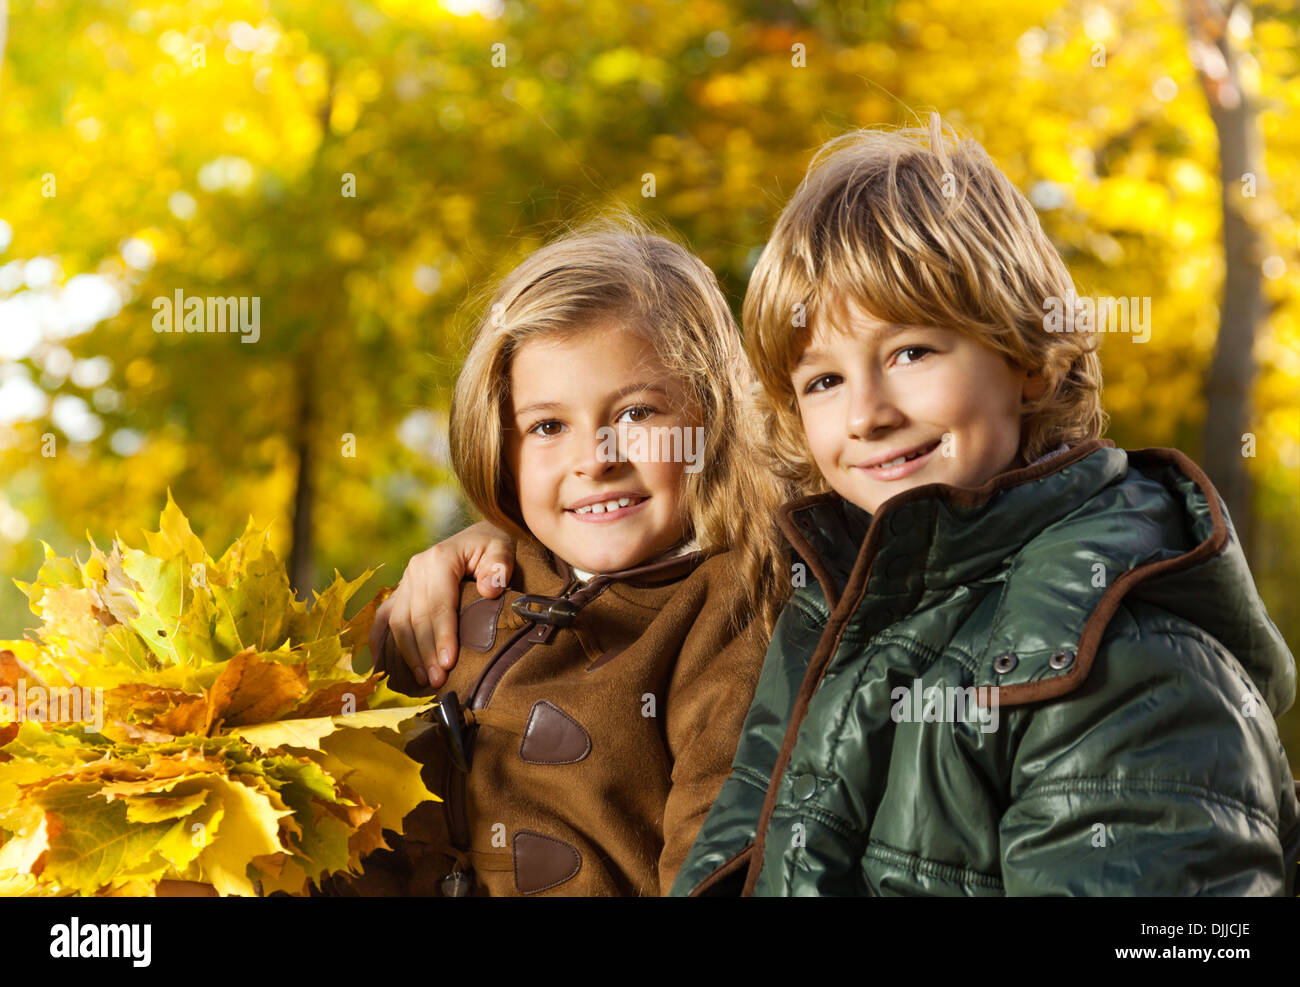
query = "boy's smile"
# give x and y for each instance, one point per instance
(598, 512)
(886, 407)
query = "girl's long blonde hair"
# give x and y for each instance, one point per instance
(618, 268)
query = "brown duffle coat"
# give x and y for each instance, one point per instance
(597, 722)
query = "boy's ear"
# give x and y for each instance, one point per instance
(1035, 385)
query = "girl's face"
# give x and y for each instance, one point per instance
(576, 405)
(871, 394)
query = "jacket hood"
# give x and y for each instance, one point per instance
(1072, 537)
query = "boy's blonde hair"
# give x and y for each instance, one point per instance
(617, 268)
(917, 227)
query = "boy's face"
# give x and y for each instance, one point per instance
(870, 392)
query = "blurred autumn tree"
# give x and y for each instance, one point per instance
(364, 167)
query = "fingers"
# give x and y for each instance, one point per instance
(435, 609)
(394, 614)
(422, 615)
(492, 561)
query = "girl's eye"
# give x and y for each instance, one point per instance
(637, 413)
(823, 383)
(914, 349)
(546, 428)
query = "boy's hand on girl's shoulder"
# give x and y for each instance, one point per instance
(422, 613)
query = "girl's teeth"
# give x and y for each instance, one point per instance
(609, 505)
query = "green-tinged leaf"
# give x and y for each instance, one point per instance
(90, 840)
(161, 601)
(253, 613)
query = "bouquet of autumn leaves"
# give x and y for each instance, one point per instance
(232, 743)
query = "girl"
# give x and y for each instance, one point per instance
(602, 417)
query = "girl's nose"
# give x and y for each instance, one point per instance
(600, 454)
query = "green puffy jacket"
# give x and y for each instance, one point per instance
(1125, 677)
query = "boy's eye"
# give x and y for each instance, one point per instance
(914, 349)
(637, 413)
(545, 428)
(823, 382)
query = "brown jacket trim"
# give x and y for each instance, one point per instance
(785, 520)
(552, 736)
(736, 863)
(543, 862)
(1095, 627)
(478, 623)
(856, 588)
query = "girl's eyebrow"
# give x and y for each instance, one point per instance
(537, 406)
(618, 395)
(627, 389)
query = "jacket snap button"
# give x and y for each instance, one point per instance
(1062, 659)
(898, 567)
(804, 786)
(1005, 663)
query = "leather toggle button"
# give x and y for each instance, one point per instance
(1062, 659)
(555, 611)
(1005, 663)
(804, 786)
(450, 722)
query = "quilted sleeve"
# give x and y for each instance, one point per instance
(1161, 775)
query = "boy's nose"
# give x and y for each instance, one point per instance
(870, 411)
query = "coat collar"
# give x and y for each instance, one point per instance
(1082, 531)
(944, 534)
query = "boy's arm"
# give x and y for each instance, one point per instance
(1161, 775)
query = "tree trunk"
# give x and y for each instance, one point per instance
(302, 561)
(1241, 174)
(302, 558)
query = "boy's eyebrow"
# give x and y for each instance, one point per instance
(618, 395)
(881, 332)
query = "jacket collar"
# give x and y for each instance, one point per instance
(940, 534)
(672, 565)
(1151, 518)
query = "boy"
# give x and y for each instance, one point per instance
(1029, 663)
